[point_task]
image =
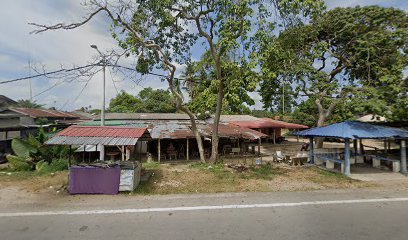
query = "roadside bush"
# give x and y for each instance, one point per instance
(55, 166)
(34, 154)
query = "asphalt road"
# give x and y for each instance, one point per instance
(313, 215)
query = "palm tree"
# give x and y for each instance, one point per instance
(26, 103)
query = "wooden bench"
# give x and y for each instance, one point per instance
(396, 163)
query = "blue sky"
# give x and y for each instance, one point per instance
(68, 48)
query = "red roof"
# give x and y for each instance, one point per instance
(102, 131)
(46, 113)
(268, 123)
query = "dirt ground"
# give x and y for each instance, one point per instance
(186, 178)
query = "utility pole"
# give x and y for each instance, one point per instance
(102, 148)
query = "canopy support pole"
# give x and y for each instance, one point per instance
(187, 151)
(158, 150)
(355, 149)
(347, 156)
(385, 146)
(311, 150)
(403, 157)
(259, 147)
(274, 136)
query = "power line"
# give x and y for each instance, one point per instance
(113, 81)
(47, 73)
(46, 90)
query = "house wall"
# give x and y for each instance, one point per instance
(25, 120)
(9, 122)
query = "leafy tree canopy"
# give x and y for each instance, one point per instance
(147, 101)
(357, 53)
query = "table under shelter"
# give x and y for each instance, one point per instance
(353, 131)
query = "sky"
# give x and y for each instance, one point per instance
(54, 49)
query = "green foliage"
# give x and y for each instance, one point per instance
(55, 166)
(147, 101)
(18, 163)
(26, 103)
(32, 153)
(357, 54)
(41, 121)
(23, 149)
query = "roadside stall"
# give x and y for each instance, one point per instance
(354, 131)
(103, 177)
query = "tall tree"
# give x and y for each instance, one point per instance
(347, 52)
(161, 32)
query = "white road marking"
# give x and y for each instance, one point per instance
(199, 208)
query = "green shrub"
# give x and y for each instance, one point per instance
(17, 163)
(55, 166)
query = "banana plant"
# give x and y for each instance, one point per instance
(23, 158)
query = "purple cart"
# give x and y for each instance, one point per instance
(94, 180)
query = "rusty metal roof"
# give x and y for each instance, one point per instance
(227, 130)
(181, 129)
(46, 113)
(107, 141)
(105, 135)
(268, 123)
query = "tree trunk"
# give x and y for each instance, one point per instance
(320, 123)
(215, 137)
(323, 115)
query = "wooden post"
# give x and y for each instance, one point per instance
(140, 151)
(123, 152)
(274, 136)
(158, 150)
(347, 157)
(127, 150)
(83, 154)
(259, 147)
(403, 157)
(311, 145)
(187, 151)
(385, 146)
(389, 144)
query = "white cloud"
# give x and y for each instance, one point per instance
(53, 49)
(69, 48)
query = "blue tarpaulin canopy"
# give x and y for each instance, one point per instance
(354, 130)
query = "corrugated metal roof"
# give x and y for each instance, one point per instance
(46, 113)
(226, 130)
(116, 123)
(93, 135)
(354, 130)
(233, 118)
(286, 124)
(268, 123)
(102, 131)
(107, 141)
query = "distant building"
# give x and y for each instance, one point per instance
(20, 122)
(372, 118)
(6, 102)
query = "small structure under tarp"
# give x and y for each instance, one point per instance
(93, 137)
(355, 130)
(103, 177)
